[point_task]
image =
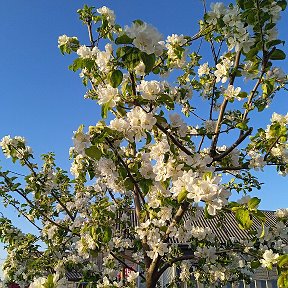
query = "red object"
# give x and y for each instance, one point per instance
(13, 285)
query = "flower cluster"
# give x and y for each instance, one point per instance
(145, 37)
(15, 147)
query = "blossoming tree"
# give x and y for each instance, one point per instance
(155, 154)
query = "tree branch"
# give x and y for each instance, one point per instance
(20, 211)
(232, 147)
(223, 107)
(173, 139)
(176, 259)
(31, 168)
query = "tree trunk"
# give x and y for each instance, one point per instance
(152, 275)
(151, 281)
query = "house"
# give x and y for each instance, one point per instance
(229, 229)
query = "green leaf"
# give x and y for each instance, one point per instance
(93, 152)
(107, 234)
(148, 60)
(167, 100)
(253, 203)
(242, 126)
(243, 218)
(122, 51)
(242, 95)
(91, 173)
(115, 78)
(206, 213)
(138, 21)
(253, 52)
(49, 282)
(282, 281)
(129, 185)
(234, 206)
(241, 3)
(156, 70)
(145, 185)
(283, 261)
(77, 64)
(282, 4)
(277, 54)
(123, 39)
(80, 63)
(259, 215)
(132, 59)
(255, 264)
(182, 195)
(148, 138)
(37, 194)
(274, 43)
(263, 230)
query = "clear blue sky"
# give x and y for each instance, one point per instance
(43, 101)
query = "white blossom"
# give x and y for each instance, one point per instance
(232, 92)
(108, 95)
(203, 69)
(145, 37)
(108, 13)
(269, 258)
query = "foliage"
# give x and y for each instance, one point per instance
(142, 159)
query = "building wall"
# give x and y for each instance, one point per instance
(263, 278)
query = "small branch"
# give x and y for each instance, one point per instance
(214, 85)
(112, 196)
(92, 42)
(21, 212)
(31, 168)
(16, 173)
(137, 188)
(193, 113)
(245, 166)
(270, 148)
(220, 132)
(213, 51)
(223, 107)
(173, 139)
(251, 96)
(177, 259)
(31, 204)
(201, 143)
(177, 218)
(63, 206)
(133, 84)
(232, 147)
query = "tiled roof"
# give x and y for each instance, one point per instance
(73, 276)
(229, 226)
(224, 232)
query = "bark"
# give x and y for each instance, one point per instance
(151, 280)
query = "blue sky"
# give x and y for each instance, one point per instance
(43, 101)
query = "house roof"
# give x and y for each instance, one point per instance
(228, 228)
(73, 276)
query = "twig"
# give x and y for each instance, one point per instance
(232, 147)
(223, 107)
(173, 139)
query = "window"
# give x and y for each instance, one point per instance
(251, 285)
(261, 284)
(272, 283)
